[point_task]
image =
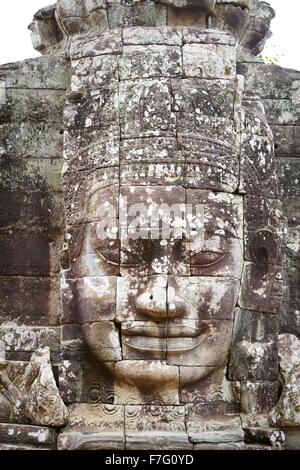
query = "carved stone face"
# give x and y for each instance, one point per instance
(170, 301)
(177, 145)
(45, 32)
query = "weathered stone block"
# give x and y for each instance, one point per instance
(16, 378)
(222, 291)
(221, 63)
(145, 109)
(94, 108)
(151, 161)
(198, 35)
(80, 186)
(89, 149)
(34, 105)
(206, 155)
(212, 388)
(25, 254)
(281, 112)
(253, 361)
(220, 446)
(254, 347)
(95, 44)
(44, 404)
(49, 71)
(216, 256)
(290, 318)
(28, 339)
(269, 80)
(223, 212)
(215, 429)
(27, 435)
(26, 210)
(140, 35)
(258, 175)
(29, 392)
(292, 438)
(89, 299)
(144, 14)
(288, 173)
(211, 98)
(86, 382)
(144, 340)
(261, 288)
(258, 397)
(155, 427)
(286, 140)
(32, 174)
(93, 427)
(26, 139)
(151, 212)
(132, 379)
(94, 72)
(267, 436)
(30, 301)
(150, 61)
(99, 339)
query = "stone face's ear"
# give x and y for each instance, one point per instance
(263, 247)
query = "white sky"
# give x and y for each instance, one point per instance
(16, 15)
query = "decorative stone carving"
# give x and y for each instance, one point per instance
(172, 253)
(155, 309)
(29, 393)
(156, 427)
(93, 427)
(286, 412)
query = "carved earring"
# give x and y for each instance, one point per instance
(263, 247)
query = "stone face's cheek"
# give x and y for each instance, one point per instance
(103, 341)
(89, 299)
(212, 350)
(205, 298)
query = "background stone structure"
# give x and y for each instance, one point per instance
(33, 248)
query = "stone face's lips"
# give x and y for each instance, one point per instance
(169, 338)
(163, 331)
(170, 345)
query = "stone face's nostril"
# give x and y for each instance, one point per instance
(175, 302)
(152, 301)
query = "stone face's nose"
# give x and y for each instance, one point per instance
(153, 300)
(176, 304)
(161, 299)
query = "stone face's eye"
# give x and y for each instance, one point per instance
(206, 258)
(130, 259)
(109, 251)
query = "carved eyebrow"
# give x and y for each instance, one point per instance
(209, 252)
(106, 259)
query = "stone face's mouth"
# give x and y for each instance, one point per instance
(158, 338)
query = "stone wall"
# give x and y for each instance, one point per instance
(280, 92)
(32, 217)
